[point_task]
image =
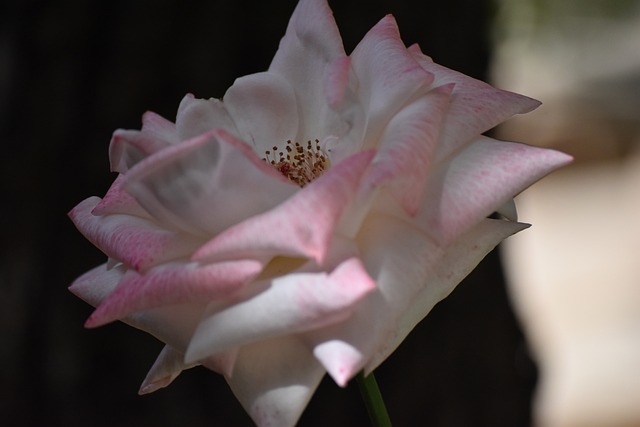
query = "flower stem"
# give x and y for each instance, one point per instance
(373, 400)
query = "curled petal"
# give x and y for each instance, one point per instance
(264, 109)
(274, 380)
(301, 226)
(479, 181)
(96, 284)
(194, 185)
(134, 241)
(176, 283)
(293, 303)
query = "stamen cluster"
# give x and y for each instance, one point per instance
(298, 163)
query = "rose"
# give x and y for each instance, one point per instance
(306, 223)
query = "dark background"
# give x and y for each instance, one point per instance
(71, 72)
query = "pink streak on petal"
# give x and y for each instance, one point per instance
(293, 303)
(174, 284)
(134, 241)
(479, 181)
(336, 81)
(301, 226)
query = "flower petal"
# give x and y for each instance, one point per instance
(118, 201)
(292, 303)
(274, 380)
(407, 147)
(128, 147)
(134, 241)
(170, 363)
(194, 185)
(166, 368)
(475, 106)
(479, 181)
(172, 325)
(301, 226)
(388, 76)
(171, 284)
(310, 48)
(265, 110)
(198, 116)
(436, 271)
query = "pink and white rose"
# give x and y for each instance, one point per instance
(309, 220)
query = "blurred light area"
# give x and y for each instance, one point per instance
(574, 277)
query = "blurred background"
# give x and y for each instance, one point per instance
(72, 72)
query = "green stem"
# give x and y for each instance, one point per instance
(373, 400)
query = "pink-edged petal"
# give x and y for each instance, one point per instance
(388, 76)
(440, 271)
(174, 283)
(264, 109)
(197, 116)
(293, 303)
(310, 48)
(301, 226)
(407, 147)
(475, 106)
(173, 325)
(166, 368)
(480, 180)
(274, 380)
(206, 184)
(134, 241)
(118, 201)
(129, 147)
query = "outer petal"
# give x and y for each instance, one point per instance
(388, 76)
(175, 283)
(293, 303)
(308, 56)
(134, 241)
(302, 226)
(475, 106)
(264, 109)
(274, 380)
(194, 185)
(479, 181)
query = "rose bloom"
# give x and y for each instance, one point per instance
(309, 220)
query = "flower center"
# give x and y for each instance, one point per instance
(298, 163)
